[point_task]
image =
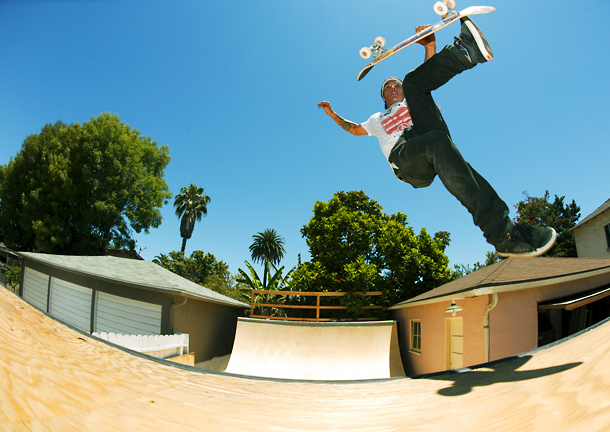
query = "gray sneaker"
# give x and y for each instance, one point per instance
(525, 240)
(473, 43)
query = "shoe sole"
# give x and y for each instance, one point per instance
(540, 251)
(479, 39)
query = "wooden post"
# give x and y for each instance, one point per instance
(252, 303)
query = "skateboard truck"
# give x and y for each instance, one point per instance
(376, 50)
(444, 8)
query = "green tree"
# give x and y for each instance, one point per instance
(13, 278)
(196, 268)
(277, 282)
(79, 189)
(191, 205)
(203, 269)
(229, 286)
(490, 258)
(555, 214)
(356, 247)
(444, 237)
(267, 248)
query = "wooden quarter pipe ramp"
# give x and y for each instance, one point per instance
(332, 351)
(53, 378)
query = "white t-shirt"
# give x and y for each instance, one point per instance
(388, 126)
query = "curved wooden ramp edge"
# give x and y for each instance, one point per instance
(57, 379)
(339, 351)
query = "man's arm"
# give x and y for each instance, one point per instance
(429, 42)
(353, 128)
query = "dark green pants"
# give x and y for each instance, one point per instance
(426, 150)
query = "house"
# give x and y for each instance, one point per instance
(501, 310)
(592, 234)
(128, 296)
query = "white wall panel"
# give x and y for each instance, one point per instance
(125, 316)
(36, 288)
(71, 303)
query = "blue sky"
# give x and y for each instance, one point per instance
(232, 86)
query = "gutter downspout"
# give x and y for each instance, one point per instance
(490, 306)
(171, 313)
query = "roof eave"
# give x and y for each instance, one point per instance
(146, 287)
(476, 292)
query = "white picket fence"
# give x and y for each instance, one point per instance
(159, 346)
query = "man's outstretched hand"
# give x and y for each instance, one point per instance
(326, 107)
(348, 126)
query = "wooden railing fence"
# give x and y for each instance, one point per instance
(317, 307)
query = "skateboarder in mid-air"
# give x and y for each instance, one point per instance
(417, 143)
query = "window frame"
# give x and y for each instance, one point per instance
(415, 338)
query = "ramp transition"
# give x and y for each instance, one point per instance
(55, 378)
(333, 351)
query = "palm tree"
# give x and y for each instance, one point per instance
(191, 205)
(268, 248)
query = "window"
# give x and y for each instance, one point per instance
(415, 336)
(607, 231)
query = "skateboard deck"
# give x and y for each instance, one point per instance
(452, 15)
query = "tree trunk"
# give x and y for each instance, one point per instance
(184, 239)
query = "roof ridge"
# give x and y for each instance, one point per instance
(164, 274)
(492, 276)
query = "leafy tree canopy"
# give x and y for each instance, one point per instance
(490, 258)
(204, 269)
(79, 189)
(196, 268)
(552, 213)
(356, 247)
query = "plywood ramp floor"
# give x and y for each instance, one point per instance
(53, 378)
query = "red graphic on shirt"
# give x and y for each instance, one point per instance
(398, 121)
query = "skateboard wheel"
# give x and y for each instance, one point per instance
(380, 41)
(365, 52)
(450, 3)
(440, 8)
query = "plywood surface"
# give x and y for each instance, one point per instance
(54, 378)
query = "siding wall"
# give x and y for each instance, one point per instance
(36, 288)
(210, 326)
(71, 303)
(116, 308)
(119, 315)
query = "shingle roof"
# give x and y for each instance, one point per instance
(605, 206)
(514, 271)
(145, 274)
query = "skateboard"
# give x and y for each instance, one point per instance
(443, 8)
